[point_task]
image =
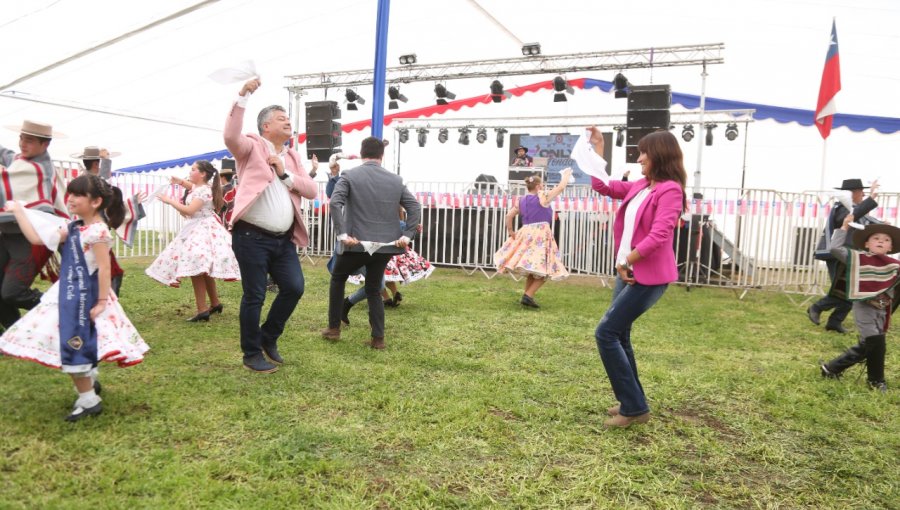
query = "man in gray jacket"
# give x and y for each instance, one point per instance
(365, 209)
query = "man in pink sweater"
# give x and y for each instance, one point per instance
(267, 225)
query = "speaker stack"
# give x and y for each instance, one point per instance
(648, 111)
(323, 134)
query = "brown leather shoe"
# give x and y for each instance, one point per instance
(377, 342)
(626, 421)
(614, 410)
(331, 334)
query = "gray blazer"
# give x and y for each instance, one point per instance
(366, 205)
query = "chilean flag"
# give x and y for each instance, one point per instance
(831, 84)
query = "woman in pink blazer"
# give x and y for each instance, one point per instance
(645, 261)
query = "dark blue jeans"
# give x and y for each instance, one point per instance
(613, 336)
(841, 307)
(259, 256)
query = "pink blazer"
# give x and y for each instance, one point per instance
(653, 229)
(251, 153)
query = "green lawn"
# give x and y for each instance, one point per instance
(477, 402)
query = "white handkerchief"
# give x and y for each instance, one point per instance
(242, 71)
(372, 246)
(156, 193)
(47, 226)
(589, 161)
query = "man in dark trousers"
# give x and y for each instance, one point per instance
(835, 298)
(364, 211)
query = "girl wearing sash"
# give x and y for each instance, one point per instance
(202, 250)
(79, 321)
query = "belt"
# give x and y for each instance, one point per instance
(243, 225)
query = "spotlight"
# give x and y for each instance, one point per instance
(443, 135)
(731, 132)
(687, 132)
(408, 60)
(621, 84)
(497, 92)
(620, 135)
(442, 94)
(404, 135)
(395, 95)
(560, 85)
(464, 136)
(481, 137)
(531, 49)
(423, 136)
(709, 135)
(352, 99)
(500, 135)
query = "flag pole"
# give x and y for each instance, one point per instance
(824, 159)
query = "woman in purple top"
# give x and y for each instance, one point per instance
(645, 261)
(532, 251)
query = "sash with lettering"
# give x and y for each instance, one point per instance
(77, 295)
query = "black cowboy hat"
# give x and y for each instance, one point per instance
(861, 236)
(521, 147)
(851, 184)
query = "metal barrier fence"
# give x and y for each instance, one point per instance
(739, 239)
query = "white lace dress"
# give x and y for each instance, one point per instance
(202, 247)
(35, 336)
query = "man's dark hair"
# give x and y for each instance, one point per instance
(90, 163)
(372, 148)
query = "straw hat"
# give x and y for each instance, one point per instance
(38, 129)
(91, 153)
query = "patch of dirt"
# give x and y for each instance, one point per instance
(500, 413)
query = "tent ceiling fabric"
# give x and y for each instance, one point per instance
(163, 72)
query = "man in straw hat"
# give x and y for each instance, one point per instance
(97, 161)
(835, 299)
(29, 178)
(872, 287)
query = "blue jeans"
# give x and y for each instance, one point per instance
(613, 336)
(260, 255)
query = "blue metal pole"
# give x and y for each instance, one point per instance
(380, 69)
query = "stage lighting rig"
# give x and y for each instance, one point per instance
(561, 86)
(404, 135)
(620, 135)
(423, 136)
(709, 135)
(352, 99)
(395, 95)
(464, 136)
(443, 135)
(687, 132)
(531, 49)
(408, 60)
(731, 131)
(442, 94)
(621, 85)
(501, 132)
(481, 136)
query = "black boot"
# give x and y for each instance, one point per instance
(346, 311)
(875, 351)
(850, 357)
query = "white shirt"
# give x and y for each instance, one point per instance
(273, 209)
(628, 231)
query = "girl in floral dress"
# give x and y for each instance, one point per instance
(531, 251)
(202, 250)
(79, 321)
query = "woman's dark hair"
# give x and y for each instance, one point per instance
(210, 171)
(666, 159)
(112, 206)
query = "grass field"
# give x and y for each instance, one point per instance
(476, 403)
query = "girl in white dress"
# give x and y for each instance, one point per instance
(202, 250)
(79, 321)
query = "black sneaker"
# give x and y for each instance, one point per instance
(271, 352)
(529, 301)
(815, 316)
(828, 374)
(880, 386)
(345, 311)
(81, 412)
(259, 364)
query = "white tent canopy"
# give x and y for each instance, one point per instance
(162, 73)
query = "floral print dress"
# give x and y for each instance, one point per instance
(202, 247)
(35, 336)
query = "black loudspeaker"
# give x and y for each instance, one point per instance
(648, 111)
(323, 134)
